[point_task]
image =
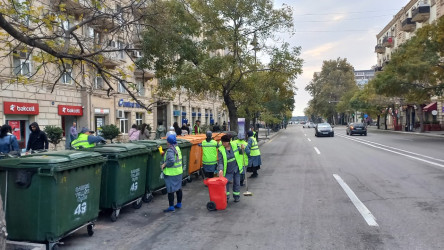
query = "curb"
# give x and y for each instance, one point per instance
(408, 133)
(263, 140)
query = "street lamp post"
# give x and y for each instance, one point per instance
(256, 48)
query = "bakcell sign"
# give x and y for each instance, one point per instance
(70, 110)
(20, 108)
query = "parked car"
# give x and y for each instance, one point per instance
(356, 128)
(324, 129)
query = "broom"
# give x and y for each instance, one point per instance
(246, 193)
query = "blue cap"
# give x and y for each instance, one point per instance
(171, 139)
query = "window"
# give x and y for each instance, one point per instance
(89, 32)
(66, 25)
(98, 82)
(67, 75)
(120, 88)
(21, 63)
(22, 7)
(121, 47)
(124, 123)
(139, 119)
(140, 88)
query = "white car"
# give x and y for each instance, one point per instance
(309, 125)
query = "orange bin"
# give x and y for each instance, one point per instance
(196, 152)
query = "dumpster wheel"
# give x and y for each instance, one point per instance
(90, 229)
(137, 204)
(211, 206)
(147, 198)
(184, 182)
(114, 215)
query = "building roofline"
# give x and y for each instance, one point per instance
(396, 18)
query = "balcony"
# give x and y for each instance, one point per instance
(143, 74)
(408, 25)
(379, 49)
(421, 13)
(387, 42)
(107, 20)
(111, 59)
(378, 69)
(76, 7)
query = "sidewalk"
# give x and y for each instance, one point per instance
(427, 133)
(265, 135)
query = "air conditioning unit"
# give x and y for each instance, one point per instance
(120, 114)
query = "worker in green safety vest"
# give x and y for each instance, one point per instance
(230, 165)
(172, 170)
(209, 155)
(254, 155)
(86, 139)
(240, 141)
(196, 128)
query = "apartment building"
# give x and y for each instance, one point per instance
(82, 94)
(401, 28)
(362, 77)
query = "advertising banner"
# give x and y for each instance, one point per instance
(15, 129)
(20, 108)
(241, 126)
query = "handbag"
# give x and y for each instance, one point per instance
(11, 151)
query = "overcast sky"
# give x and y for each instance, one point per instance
(328, 29)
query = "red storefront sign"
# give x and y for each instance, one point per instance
(70, 110)
(20, 108)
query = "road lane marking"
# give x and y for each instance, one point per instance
(317, 150)
(308, 139)
(368, 216)
(305, 134)
(413, 157)
(382, 145)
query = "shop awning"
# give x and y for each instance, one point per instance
(432, 106)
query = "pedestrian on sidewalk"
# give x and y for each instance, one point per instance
(144, 132)
(209, 155)
(160, 131)
(133, 133)
(254, 158)
(37, 139)
(196, 128)
(172, 170)
(73, 131)
(8, 141)
(230, 165)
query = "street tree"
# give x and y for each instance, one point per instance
(56, 40)
(327, 87)
(416, 69)
(218, 55)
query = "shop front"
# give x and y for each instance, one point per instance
(69, 115)
(101, 118)
(18, 115)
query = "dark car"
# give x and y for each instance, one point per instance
(324, 129)
(356, 128)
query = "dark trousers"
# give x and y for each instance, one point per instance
(171, 197)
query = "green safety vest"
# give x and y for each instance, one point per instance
(176, 169)
(254, 134)
(254, 150)
(194, 128)
(238, 141)
(82, 141)
(237, 157)
(209, 152)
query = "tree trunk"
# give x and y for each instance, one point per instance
(421, 118)
(385, 120)
(2, 225)
(232, 112)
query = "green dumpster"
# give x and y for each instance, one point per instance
(123, 176)
(48, 196)
(154, 182)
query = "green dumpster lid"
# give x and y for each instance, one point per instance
(119, 148)
(65, 157)
(184, 143)
(153, 144)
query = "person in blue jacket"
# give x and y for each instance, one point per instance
(8, 141)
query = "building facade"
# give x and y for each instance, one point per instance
(362, 77)
(401, 28)
(80, 93)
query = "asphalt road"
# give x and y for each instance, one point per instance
(381, 191)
